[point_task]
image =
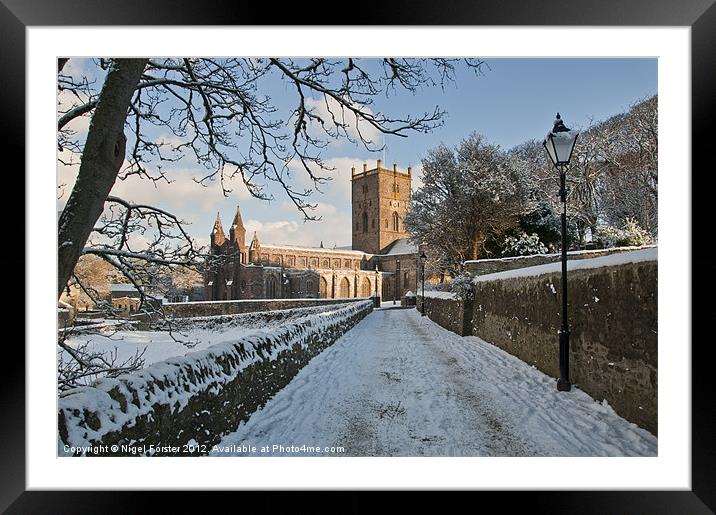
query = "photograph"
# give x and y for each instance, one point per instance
(416, 249)
(357, 256)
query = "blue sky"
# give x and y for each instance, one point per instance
(513, 101)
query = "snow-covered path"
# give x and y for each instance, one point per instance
(400, 385)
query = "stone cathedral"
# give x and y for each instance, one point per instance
(380, 259)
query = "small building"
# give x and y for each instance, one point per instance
(126, 305)
(124, 290)
(127, 299)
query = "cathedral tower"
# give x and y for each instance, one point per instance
(380, 198)
(237, 235)
(217, 233)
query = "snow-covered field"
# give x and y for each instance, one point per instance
(191, 335)
(155, 345)
(400, 385)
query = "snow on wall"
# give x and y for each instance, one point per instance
(435, 294)
(571, 253)
(252, 301)
(637, 256)
(233, 307)
(249, 319)
(198, 396)
(491, 266)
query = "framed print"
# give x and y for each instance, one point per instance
(259, 369)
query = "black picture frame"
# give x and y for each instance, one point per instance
(699, 15)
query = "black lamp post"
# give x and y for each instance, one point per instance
(397, 278)
(423, 257)
(377, 305)
(559, 144)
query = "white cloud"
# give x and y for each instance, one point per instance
(338, 190)
(333, 229)
(182, 194)
(330, 109)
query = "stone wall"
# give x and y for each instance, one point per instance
(234, 307)
(490, 266)
(65, 317)
(613, 321)
(197, 398)
(454, 314)
(252, 319)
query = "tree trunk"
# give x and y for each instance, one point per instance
(102, 158)
(580, 233)
(475, 249)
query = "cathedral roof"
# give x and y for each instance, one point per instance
(322, 250)
(400, 247)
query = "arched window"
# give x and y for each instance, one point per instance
(324, 288)
(366, 289)
(395, 222)
(365, 221)
(345, 288)
(309, 286)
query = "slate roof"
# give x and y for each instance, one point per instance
(400, 247)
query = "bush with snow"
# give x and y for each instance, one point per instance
(462, 286)
(630, 235)
(523, 245)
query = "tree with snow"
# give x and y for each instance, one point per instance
(629, 190)
(469, 193)
(612, 176)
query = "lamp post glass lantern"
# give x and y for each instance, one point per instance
(423, 257)
(559, 144)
